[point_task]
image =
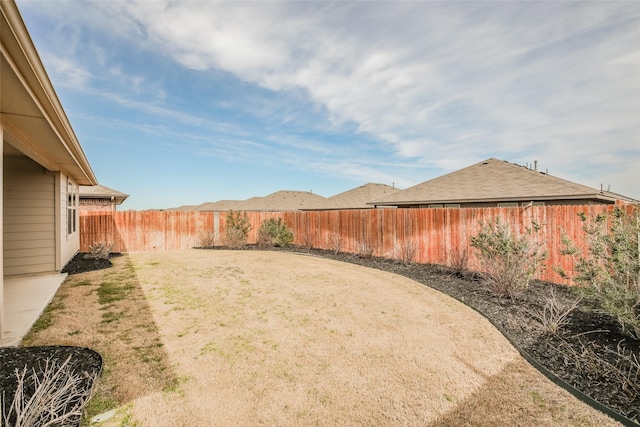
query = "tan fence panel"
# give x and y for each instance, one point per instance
(439, 236)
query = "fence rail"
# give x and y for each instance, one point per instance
(439, 236)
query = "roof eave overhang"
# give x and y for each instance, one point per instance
(117, 198)
(586, 196)
(60, 149)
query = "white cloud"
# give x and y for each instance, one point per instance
(444, 84)
(74, 76)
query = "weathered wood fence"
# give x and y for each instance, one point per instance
(439, 236)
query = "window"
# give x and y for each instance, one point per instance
(538, 203)
(72, 207)
(435, 206)
(508, 205)
(452, 205)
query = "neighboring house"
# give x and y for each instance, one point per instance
(283, 200)
(356, 198)
(100, 198)
(219, 206)
(43, 163)
(499, 183)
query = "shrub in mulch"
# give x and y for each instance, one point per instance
(52, 384)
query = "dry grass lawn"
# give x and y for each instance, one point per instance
(229, 338)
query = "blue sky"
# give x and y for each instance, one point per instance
(186, 102)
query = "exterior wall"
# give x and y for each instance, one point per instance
(70, 242)
(29, 236)
(2, 321)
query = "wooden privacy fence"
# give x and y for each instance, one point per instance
(438, 236)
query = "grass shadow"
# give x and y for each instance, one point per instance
(519, 396)
(106, 311)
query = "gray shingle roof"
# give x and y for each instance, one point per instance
(494, 180)
(220, 205)
(283, 200)
(356, 198)
(101, 192)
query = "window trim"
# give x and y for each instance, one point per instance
(72, 207)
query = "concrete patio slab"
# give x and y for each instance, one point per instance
(25, 298)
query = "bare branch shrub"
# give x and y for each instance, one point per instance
(625, 371)
(207, 239)
(508, 260)
(334, 242)
(99, 250)
(554, 315)
(307, 240)
(405, 251)
(460, 261)
(56, 396)
(368, 246)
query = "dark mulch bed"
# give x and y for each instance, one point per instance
(81, 264)
(83, 362)
(589, 352)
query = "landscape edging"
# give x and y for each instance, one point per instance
(553, 377)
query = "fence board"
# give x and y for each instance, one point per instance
(441, 236)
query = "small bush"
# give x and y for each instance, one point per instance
(554, 315)
(274, 232)
(99, 250)
(508, 260)
(608, 275)
(237, 229)
(207, 239)
(405, 251)
(334, 242)
(459, 261)
(307, 240)
(368, 247)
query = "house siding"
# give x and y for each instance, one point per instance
(29, 242)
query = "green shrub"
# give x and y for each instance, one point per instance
(608, 275)
(237, 229)
(508, 260)
(274, 232)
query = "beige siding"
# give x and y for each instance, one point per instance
(28, 217)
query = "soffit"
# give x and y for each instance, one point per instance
(32, 116)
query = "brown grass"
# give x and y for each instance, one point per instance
(226, 338)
